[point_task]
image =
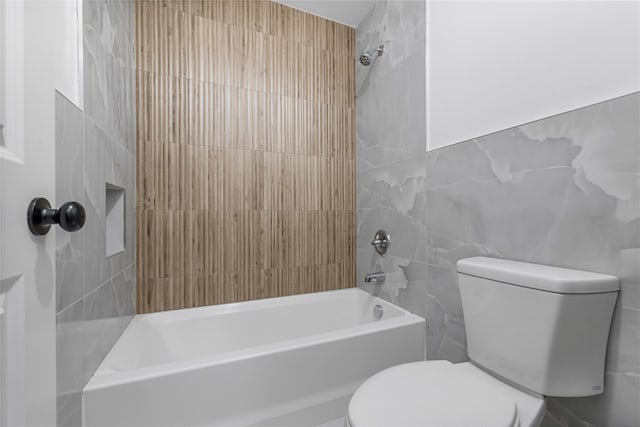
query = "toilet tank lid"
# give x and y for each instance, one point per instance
(537, 276)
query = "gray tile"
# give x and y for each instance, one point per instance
(114, 298)
(70, 410)
(504, 156)
(446, 336)
(120, 171)
(108, 310)
(108, 162)
(69, 187)
(414, 296)
(617, 406)
(623, 351)
(102, 335)
(551, 421)
(109, 83)
(70, 350)
(392, 197)
(124, 285)
(558, 415)
(628, 270)
(105, 153)
(390, 116)
(390, 152)
(400, 26)
(102, 302)
(405, 281)
(97, 144)
(561, 191)
(491, 216)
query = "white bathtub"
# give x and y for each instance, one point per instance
(282, 361)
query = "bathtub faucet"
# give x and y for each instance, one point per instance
(374, 277)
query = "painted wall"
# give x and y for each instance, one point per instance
(390, 135)
(246, 153)
(347, 12)
(562, 191)
(493, 65)
(95, 293)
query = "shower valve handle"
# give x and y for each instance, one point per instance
(381, 242)
(378, 242)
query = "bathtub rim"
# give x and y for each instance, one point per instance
(109, 379)
(264, 303)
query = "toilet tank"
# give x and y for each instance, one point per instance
(544, 328)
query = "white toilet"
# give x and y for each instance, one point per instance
(532, 331)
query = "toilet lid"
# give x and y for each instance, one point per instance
(433, 393)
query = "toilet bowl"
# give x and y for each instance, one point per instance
(440, 393)
(532, 331)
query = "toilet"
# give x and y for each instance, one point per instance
(532, 331)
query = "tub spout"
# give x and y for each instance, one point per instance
(378, 277)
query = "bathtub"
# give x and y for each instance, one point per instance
(283, 361)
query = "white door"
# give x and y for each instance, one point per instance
(29, 51)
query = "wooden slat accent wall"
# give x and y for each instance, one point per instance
(245, 153)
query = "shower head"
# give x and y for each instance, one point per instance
(367, 58)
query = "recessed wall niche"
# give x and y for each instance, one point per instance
(115, 223)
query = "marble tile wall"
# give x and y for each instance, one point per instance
(95, 293)
(562, 191)
(390, 145)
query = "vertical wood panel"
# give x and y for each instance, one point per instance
(245, 141)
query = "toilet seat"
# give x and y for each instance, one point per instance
(442, 394)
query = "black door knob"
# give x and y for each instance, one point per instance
(40, 216)
(71, 216)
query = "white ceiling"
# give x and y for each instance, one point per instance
(348, 12)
